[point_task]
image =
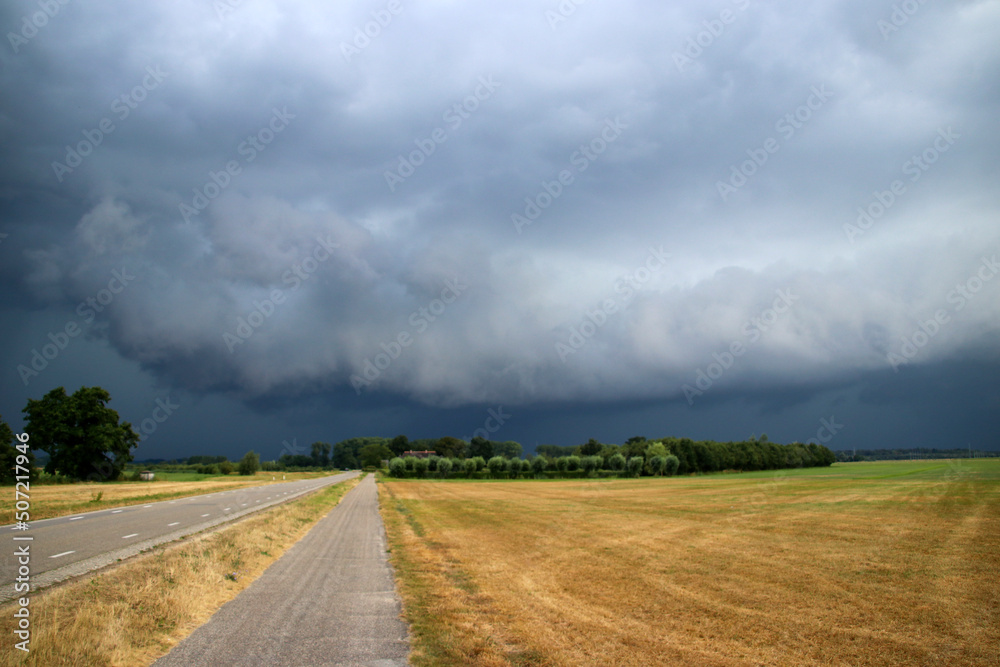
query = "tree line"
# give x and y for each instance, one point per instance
(638, 456)
(86, 440)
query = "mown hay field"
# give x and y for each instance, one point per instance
(890, 563)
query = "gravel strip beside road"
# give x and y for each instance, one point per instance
(330, 600)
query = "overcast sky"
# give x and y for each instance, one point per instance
(301, 220)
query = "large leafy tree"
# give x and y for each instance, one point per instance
(591, 448)
(480, 446)
(9, 454)
(509, 449)
(82, 435)
(346, 453)
(374, 454)
(399, 445)
(634, 446)
(250, 463)
(450, 447)
(555, 451)
(321, 454)
(344, 456)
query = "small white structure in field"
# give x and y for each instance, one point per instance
(146, 475)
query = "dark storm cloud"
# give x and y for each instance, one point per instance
(509, 203)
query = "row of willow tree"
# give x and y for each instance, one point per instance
(638, 456)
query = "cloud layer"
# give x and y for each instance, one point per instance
(511, 203)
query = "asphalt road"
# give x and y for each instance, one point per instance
(63, 547)
(330, 600)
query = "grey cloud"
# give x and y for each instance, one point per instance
(321, 180)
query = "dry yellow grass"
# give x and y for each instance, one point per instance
(875, 564)
(134, 613)
(51, 500)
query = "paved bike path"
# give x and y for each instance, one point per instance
(329, 600)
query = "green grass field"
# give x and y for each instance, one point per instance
(884, 563)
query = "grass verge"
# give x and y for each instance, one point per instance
(52, 500)
(447, 617)
(136, 612)
(858, 564)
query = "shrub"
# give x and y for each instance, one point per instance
(635, 464)
(656, 464)
(250, 463)
(397, 467)
(480, 462)
(432, 463)
(410, 463)
(420, 466)
(496, 465)
(444, 467)
(470, 467)
(561, 463)
(588, 464)
(617, 462)
(655, 449)
(514, 467)
(671, 464)
(226, 467)
(538, 465)
(572, 463)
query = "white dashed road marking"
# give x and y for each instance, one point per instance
(125, 537)
(173, 524)
(65, 553)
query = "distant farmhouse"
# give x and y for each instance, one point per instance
(420, 455)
